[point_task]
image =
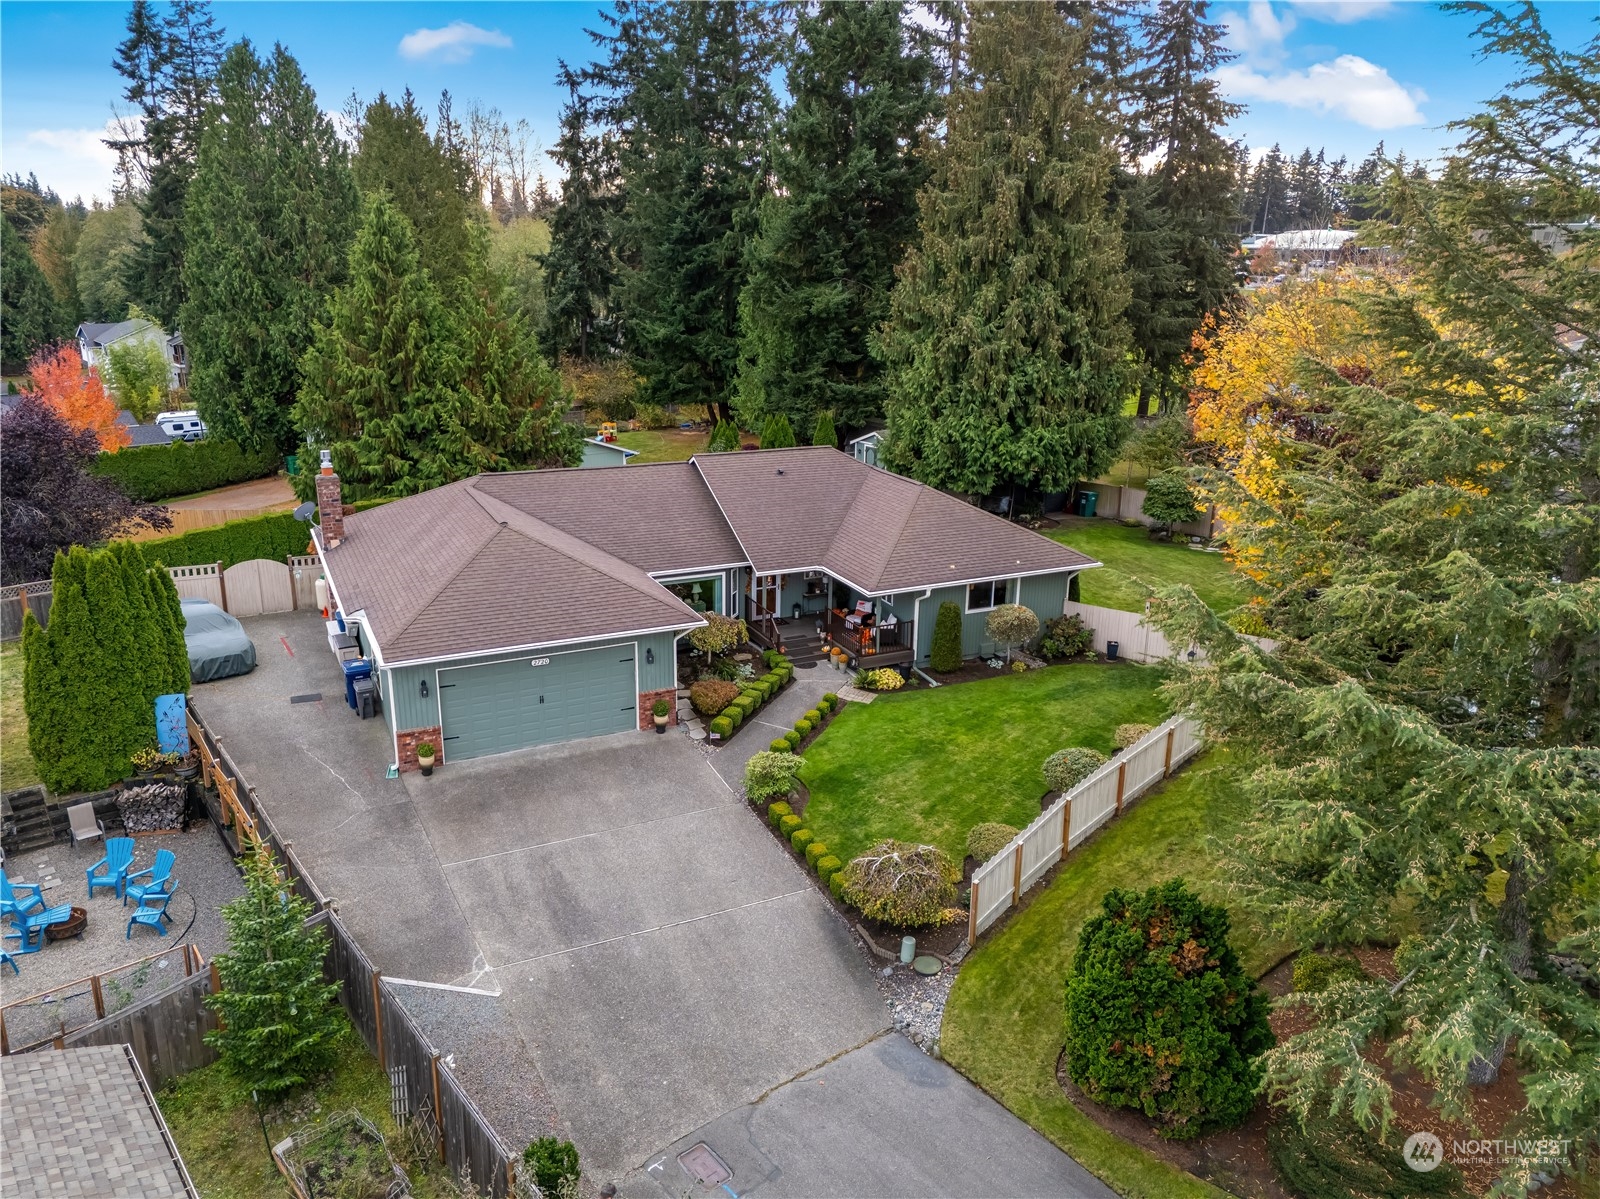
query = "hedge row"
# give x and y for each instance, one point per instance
(756, 692)
(159, 472)
(274, 536)
(781, 816)
(790, 741)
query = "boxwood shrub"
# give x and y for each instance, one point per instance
(836, 879)
(830, 699)
(722, 726)
(814, 852)
(800, 838)
(793, 739)
(803, 727)
(827, 867)
(781, 746)
(788, 824)
(777, 812)
(824, 704)
(814, 716)
(734, 713)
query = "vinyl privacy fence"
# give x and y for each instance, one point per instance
(1000, 883)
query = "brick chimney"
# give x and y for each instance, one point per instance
(330, 503)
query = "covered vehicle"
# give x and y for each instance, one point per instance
(218, 646)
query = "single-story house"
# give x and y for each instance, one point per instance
(526, 608)
(139, 434)
(605, 453)
(96, 339)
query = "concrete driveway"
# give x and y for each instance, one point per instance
(661, 964)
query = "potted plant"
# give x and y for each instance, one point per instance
(660, 710)
(149, 761)
(425, 756)
(188, 765)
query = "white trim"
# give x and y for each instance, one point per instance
(878, 433)
(437, 685)
(611, 445)
(966, 600)
(687, 572)
(901, 590)
(514, 650)
(700, 576)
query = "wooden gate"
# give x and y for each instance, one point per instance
(257, 586)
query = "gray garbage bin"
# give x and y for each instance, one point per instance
(1111, 649)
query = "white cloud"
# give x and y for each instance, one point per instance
(1348, 87)
(456, 42)
(1257, 33)
(76, 162)
(1344, 12)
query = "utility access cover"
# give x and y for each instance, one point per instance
(700, 1163)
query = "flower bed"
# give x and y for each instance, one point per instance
(753, 695)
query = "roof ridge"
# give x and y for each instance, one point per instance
(573, 548)
(917, 491)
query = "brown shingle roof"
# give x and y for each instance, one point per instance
(456, 571)
(811, 507)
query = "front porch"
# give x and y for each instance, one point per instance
(811, 614)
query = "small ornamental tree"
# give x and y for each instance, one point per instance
(718, 635)
(823, 433)
(1161, 1017)
(724, 436)
(1012, 625)
(138, 372)
(770, 775)
(280, 1019)
(777, 433)
(57, 377)
(1168, 501)
(1066, 768)
(945, 653)
(907, 886)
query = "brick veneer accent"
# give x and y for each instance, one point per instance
(408, 746)
(330, 508)
(647, 704)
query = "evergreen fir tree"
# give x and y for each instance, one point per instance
(724, 437)
(168, 608)
(30, 318)
(1007, 346)
(381, 376)
(139, 60)
(268, 219)
(777, 434)
(1269, 193)
(581, 267)
(688, 91)
(1366, 185)
(847, 162)
(395, 154)
(823, 433)
(280, 1019)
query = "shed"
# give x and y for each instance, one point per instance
(605, 453)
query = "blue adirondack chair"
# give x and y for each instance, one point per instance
(19, 898)
(31, 928)
(159, 871)
(119, 856)
(152, 910)
(7, 960)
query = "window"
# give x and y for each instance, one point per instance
(983, 596)
(703, 595)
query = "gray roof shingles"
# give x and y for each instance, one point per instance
(532, 558)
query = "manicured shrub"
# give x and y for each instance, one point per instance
(718, 635)
(1065, 637)
(815, 852)
(1129, 734)
(1012, 625)
(710, 696)
(722, 726)
(945, 653)
(793, 738)
(1336, 1159)
(986, 840)
(770, 658)
(829, 698)
(902, 884)
(747, 703)
(835, 880)
(770, 774)
(788, 824)
(814, 716)
(554, 1165)
(734, 714)
(777, 812)
(1066, 768)
(824, 705)
(1168, 500)
(803, 727)
(1161, 1017)
(1319, 971)
(780, 746)
(822, 433)
(800, 838)
(159, 472)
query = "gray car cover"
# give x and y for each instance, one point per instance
(217, 643)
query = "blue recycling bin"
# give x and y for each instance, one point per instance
(354, 668)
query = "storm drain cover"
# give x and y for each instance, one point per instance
(704, 1166)
(926, 964)
(314, 698)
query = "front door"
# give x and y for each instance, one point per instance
(768, 588)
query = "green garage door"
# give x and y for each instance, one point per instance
(538, 701)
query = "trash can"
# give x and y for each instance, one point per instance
(1111, 649)
(354, 668)
(1087, 501)
(339, 616)
(366, 691)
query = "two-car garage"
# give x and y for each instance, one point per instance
(537, 700)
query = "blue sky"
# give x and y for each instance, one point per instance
(1336, 73)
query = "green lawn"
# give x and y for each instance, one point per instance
(927, 765)
(16, 763)
(1128, 554)
(220, 1138)
(1002, 1026)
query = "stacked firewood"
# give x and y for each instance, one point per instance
(152, 806)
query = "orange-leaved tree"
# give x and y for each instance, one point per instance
(78, 396)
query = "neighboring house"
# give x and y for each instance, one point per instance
(527, 608)
(178, 355)
(865, 447)
(141, 434)
(605, 453)
(95, 340)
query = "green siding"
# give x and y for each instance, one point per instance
(549, 698)
(603, 455)
(1045, 594)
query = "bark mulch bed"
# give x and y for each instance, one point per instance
(1236, 1158)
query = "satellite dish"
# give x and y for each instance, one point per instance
(305, 511)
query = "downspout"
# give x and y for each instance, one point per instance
(916, 635)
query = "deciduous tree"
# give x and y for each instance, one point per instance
(56, 376)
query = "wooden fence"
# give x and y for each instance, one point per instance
(189, 520)
(252, 588)
(166, 1032)
(1137, 639)
(999, 883)
(1121, 501)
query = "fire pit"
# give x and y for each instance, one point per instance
(69, 928)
